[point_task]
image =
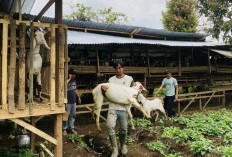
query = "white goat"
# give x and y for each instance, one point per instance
(152, 105)
(37, 59)
(118, 94)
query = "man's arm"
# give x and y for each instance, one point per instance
(78, 96)
(160, 88)
(177, 92)
(69, 78)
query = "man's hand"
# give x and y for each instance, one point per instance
(156, 93)
(104, 88)
(79, 100)
(134, 95)
(176, 97)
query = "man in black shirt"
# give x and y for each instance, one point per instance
(73, 94)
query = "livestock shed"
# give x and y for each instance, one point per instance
(147, 52)
(20, 69)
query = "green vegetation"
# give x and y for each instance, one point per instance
(201, 146)
(77, 139)
(180, 16)
(159, 146)
(141, 122)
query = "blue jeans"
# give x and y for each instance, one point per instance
(71, 109)
(168, 102)
(112, 118)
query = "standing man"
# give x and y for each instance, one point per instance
(171, 86)
(118, 111)
(72, 95)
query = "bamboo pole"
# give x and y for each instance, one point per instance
(33, 135)
(20, 10)
(31, 69)
(148, 62)
(209, 63)
(98, 64)
(209, 100)
(22, 70)
(66, 65)
(58, 152)
(178, 107)
(4, 65)
(200, 104)
(53, 68)
(179, 65)
(189, 104)
(224, 99)
(11, 80)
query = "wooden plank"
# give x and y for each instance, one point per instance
(202, 97)
(45, 8)
(224, 99)
(33, 135)
(208, 100)
(178, 107)
(53, 68)
(12, 70)
(31, 70)
(22, 70)
(81, 112)
(58, 152)
(48, 151)
(4, 65)
(95, 112)
(189, 104)
(200, 104)
(20, 10)
(35, 130)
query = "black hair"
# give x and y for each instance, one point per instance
(118, 62)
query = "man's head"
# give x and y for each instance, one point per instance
(168, 73)
(72, 72)
(119, 67)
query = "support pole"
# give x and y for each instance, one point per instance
(11, 80)
(148, 62)
(209, 63)
(58, 152)
(66, 65)
(200, 103)
(4, 65)
(98, 63)
(178, 107)
(22, 71)
(31, 71)
(179, 56)
(20, 10)
(33, 135)
(224, 99)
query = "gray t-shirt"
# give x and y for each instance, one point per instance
(72, 87)
(125, 81)
(170, 85)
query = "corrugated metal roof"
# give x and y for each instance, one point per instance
(7, 6)
(124, 28)
(223, 52)
(75, 37)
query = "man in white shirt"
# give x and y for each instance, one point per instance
(118, 111)
(171, 85)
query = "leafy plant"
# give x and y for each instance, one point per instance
(226, 151)
(26, 152)
(141, 122)
(5, 152)
(159, 146)
(201, 146)
(77, 139)
(129, 140)
(228, 138)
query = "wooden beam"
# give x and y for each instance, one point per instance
(148, 62)
(12, 70)
(22, 69)
(33, 135)
(178, 107)
(58, 152)
(66, 65)
(4, 65)
(179, 64)
(31, 70)
(136, 30)
(98, 64)
(45, 8)
(48, 151)
(103, 118)
(20, 10)
(35, 130)
(200, 104)
(189, 104)
(53, 68)
(224, 99)
(209, 100)
(58, 11)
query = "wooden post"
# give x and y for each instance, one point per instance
(224, 99)
(11, 80)
(179, 65)
(33, 135)
(98, 64)
(178, 107)
(58, 152)
(132, 56)
(200, 103)
(53, 68)
(65, 65)
(148, 62)
(145, 80)
(22, 71)
(31, 68)
(4, 65)
(20, 10)
(209, 62)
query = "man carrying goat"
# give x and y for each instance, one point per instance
(118, 111)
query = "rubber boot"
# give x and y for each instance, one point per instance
(122, 139)
(113, 141)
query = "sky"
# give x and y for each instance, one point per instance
(145, 13)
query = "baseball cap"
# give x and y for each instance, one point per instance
(168, 71)
(72, 71)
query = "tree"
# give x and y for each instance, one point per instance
(86, 13)
(219, 13)
(180, 16)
